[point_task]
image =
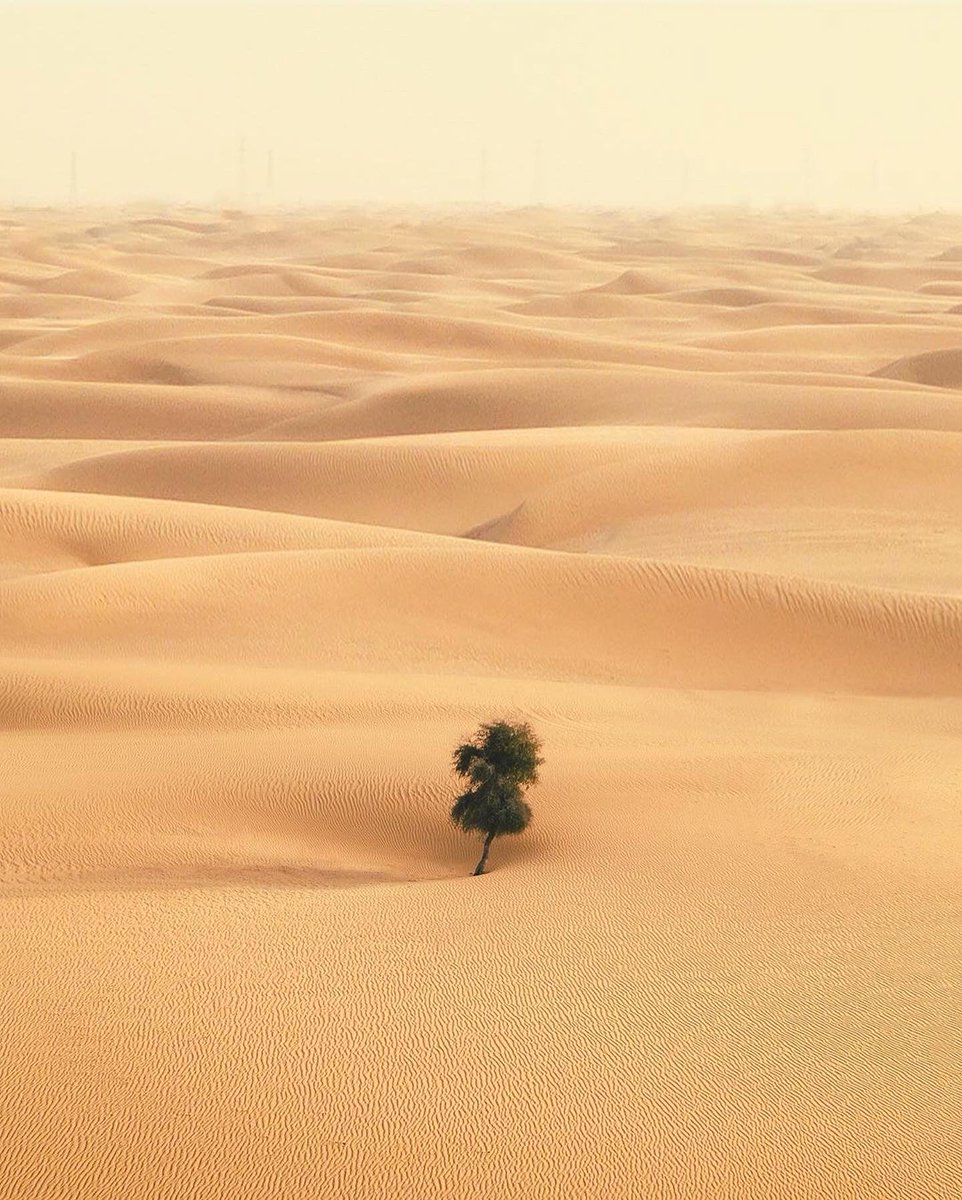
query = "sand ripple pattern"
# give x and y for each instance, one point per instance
(287, 504)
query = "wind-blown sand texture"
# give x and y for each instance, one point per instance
(287, 505)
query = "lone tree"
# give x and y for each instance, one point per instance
(499, 763)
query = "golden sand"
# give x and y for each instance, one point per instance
(287, 505)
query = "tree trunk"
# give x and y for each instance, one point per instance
(479, 869)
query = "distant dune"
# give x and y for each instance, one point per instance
(288, 504)
(936, 368)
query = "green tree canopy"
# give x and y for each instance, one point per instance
(499, 763)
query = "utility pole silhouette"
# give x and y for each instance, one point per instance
(806, 191)
(537, 176)
(242, 173)
(483, 177)
(73, 179)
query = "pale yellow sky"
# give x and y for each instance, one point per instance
(644, 104)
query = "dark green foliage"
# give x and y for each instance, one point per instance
(499, 763)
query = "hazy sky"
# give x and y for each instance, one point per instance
(645, 104)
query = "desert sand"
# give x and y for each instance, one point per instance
(288, 504)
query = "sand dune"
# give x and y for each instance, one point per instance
(79, 409)
(846, 639)
(880, 506)
(725, 297)
(289, 503)
(440, 486)
(96, 530)
(545, 398)
(937, 368)
(634, 282)
(859, 343)
(334, 340)
(97, 283)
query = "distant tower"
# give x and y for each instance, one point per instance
(73, 179)
(242, 173)
(270, 176)
(483, 177)
(805, 188)
(537, 175)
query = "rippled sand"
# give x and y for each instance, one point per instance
(287, 505)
